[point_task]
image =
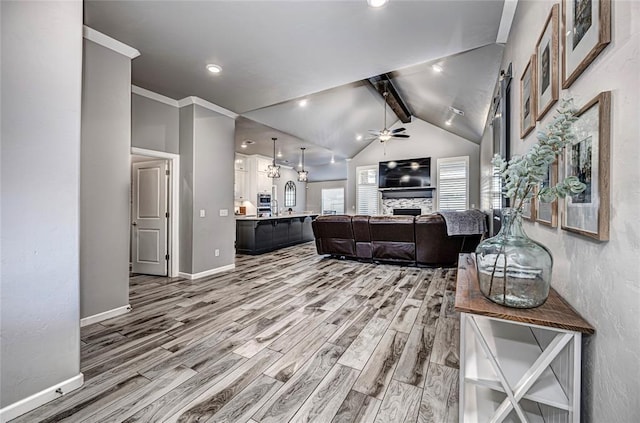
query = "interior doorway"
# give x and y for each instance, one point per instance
(154, 212)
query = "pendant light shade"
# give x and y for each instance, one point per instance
(303, 175)
(273, 170)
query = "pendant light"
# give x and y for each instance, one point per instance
(273, 169)
(303, 175)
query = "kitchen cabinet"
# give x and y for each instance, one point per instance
(240, 185)
(261, 235)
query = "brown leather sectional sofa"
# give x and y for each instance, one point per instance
(420, 240)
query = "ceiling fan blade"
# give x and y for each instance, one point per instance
(400, 136)
(374, 131)
(395, 131)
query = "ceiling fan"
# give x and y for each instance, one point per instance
(386, 134)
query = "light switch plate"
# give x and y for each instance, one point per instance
(224, 212)
(202, 213)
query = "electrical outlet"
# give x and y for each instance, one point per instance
(217, 252)
(224, 212)
(202, 213)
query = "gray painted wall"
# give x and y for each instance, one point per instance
(105, 180)
(213, 190)
(40, 174)
(314, 193)
(426, 141)
(301, 191)
(206, 168)
(600, 279)
(154, 125)
(186, 188)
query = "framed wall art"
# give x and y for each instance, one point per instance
(547, 83)
(586, 29)
(587, 157)
(547, 213)
(528, 98)
(528, 209)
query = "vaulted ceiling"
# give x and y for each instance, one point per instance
(274, 53)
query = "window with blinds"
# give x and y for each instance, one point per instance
(453, 183)
(496, 189)
(367, 190)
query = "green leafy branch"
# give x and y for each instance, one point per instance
(522, 174)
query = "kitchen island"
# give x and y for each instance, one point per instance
(257, 235)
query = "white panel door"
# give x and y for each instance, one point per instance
(149, 218)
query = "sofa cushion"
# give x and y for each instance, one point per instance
(392, 238)
(334, 235)
(362, 237)
(434, 246)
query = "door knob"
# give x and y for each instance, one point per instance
(135, 224)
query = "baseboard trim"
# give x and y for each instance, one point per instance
(34, 401)
(192, 276)
(105, 315)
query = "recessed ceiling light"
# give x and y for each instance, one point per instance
(303, 102)
(377, 3)
(214, 68)
(437, 68)
(358, 137)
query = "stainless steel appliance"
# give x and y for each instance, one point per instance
(263, 205)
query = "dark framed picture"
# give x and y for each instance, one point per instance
(587, 158)
(547, 83)
(586, 29)
(547, 213)
(528, 98)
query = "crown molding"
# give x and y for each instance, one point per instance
(204, 103)
(108, 42)
(154, 96)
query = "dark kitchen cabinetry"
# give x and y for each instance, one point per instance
(260, 235)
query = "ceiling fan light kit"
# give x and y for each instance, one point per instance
(273, 170)
(386, 134)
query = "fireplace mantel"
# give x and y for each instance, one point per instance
(418, 192)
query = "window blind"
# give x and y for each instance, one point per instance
(367, 190)
(496, 189)
(453, 183)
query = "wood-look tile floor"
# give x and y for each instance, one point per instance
(289, 336)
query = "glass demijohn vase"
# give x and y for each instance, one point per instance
(513, 269)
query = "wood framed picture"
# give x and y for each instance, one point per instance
(587, 157)
(528, 98)
(586, 29)
(547, 81)
(529, 209)
(547, 213)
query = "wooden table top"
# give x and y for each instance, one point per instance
(555, 312)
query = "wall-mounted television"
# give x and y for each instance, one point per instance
(409, 173)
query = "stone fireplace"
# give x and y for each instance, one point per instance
(407, 199)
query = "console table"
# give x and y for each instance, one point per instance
(517, 365)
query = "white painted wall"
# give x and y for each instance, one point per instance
(105, 180)
(40, 174)
(426, 141)
(600, 279)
